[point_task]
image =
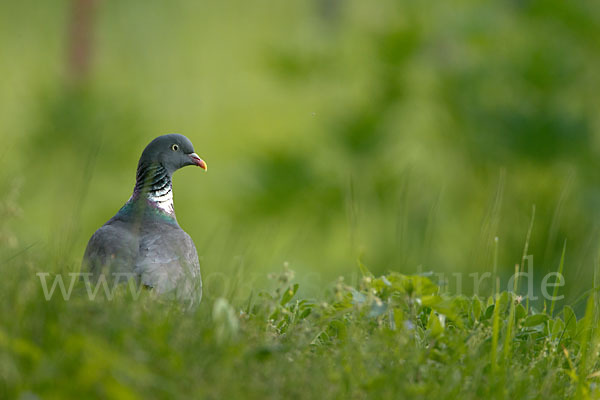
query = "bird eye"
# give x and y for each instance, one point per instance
(174, 147)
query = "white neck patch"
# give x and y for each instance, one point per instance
(163, 200)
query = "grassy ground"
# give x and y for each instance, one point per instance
(393, 336)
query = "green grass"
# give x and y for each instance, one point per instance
(393, 336)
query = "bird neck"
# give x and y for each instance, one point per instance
(154, 186)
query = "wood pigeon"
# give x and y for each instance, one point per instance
(143, 240)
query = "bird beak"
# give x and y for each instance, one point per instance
(197, 161)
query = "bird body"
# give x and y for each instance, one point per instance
(143, 240)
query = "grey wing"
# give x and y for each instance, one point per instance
(168, 260)
(112, 249)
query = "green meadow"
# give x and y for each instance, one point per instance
(377, 174)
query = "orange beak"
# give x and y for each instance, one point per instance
(198, 161)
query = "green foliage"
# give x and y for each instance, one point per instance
(386, 337)
(406, 133)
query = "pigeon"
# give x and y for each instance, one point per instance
(143, 240)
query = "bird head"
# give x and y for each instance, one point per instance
(172, 151)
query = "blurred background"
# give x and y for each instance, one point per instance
(408, 135)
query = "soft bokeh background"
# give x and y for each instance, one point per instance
(405, 134)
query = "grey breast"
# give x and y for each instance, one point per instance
(112, 250)
(167, 260)
(158, 255)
